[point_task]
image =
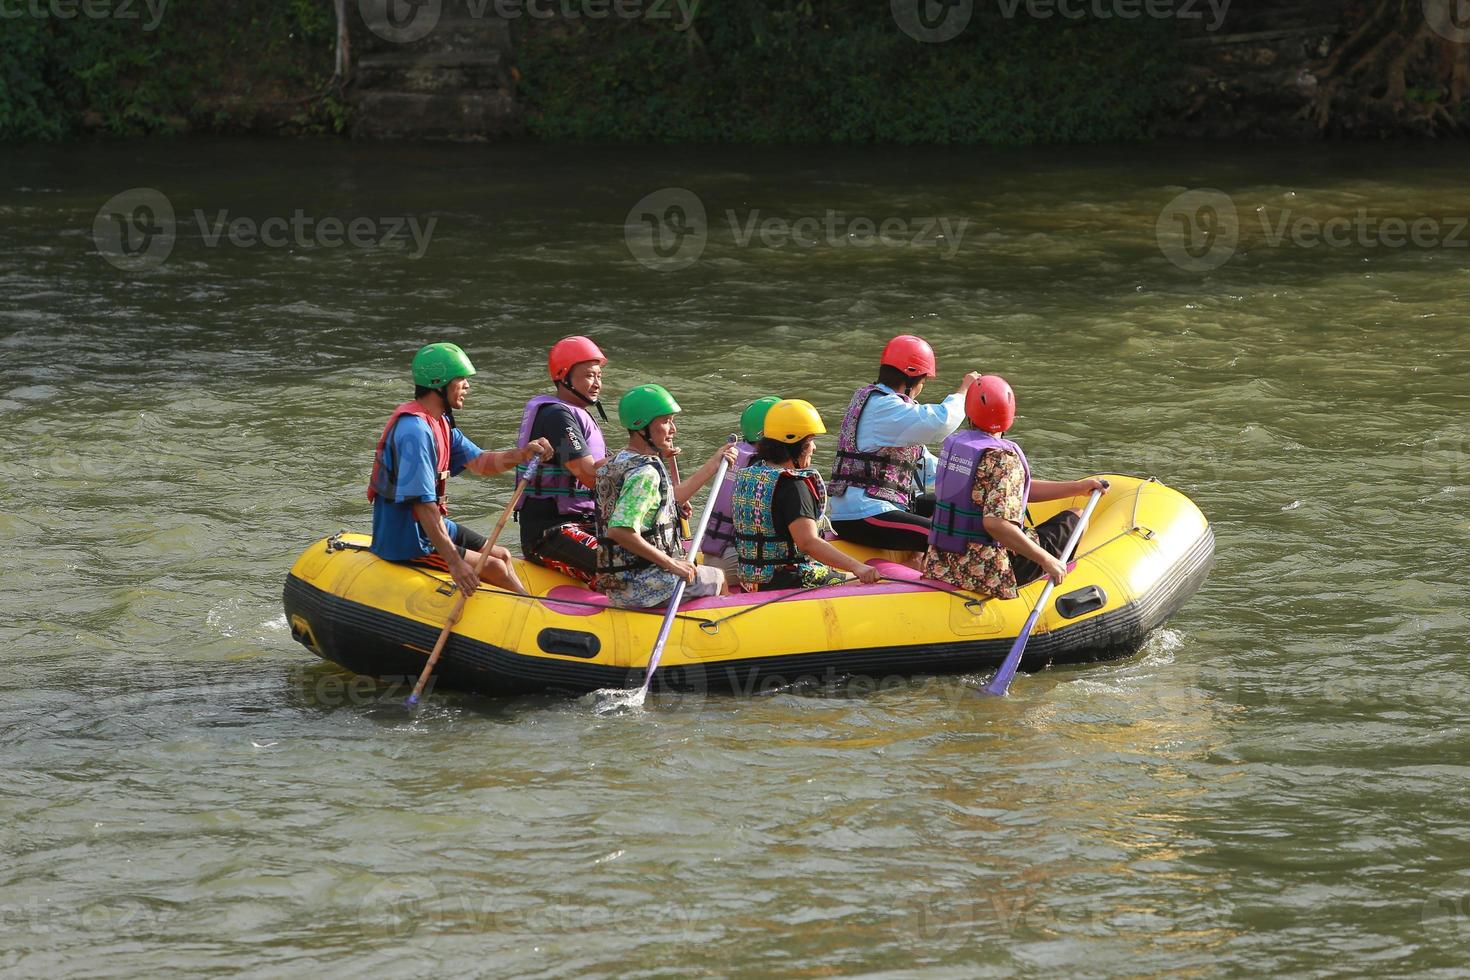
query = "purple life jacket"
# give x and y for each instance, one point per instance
(887, 473)
(554, 482)
(721, 531)
(958, 522)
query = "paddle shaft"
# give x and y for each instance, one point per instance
(1000, 684)
(667, 624)
(683, 524)
(459, 603)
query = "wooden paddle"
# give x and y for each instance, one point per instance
(459, 603)
(683, 522)
(1000, 684)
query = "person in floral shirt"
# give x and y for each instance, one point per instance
(639, 558)
(979, 540)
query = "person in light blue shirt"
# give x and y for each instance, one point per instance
(883, 469)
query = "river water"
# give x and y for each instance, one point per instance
(1276, 783)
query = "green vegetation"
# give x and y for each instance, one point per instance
(206, 66)
(841, 71)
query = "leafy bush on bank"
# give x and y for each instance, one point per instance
(206, 65)
(841, 71)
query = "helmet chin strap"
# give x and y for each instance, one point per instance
(443, 394)
(592, 402)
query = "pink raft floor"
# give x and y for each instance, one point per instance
(577, 601)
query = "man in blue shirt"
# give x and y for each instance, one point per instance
(883, 468)
(419, 450)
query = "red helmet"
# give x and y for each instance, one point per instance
(568, 353)
(991, 404)
(911, 355)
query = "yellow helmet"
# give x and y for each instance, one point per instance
(792, 420)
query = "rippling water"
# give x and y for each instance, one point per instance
(1275, 784)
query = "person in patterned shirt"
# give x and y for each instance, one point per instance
(979, 540)
(639, 557)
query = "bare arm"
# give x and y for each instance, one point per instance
(690, 485)
(432, 522)
(585, 470)
(1013, 540)
(493, 463)
(806, 537)
(1044, 490)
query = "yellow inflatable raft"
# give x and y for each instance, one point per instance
(1146, 551)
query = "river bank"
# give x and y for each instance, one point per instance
(1016, 72)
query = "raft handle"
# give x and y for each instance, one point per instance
(569, 643)
(1081, 601)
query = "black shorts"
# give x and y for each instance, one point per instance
(1053, 535)
(569, 548)
(464, 540)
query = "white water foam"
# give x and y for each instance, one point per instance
(616, 701)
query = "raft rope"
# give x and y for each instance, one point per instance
(1133, 525)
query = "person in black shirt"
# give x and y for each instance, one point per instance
(558, 512)
(780, 509)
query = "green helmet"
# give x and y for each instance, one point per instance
(436, 365)
(753, 419)
(643, 404)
